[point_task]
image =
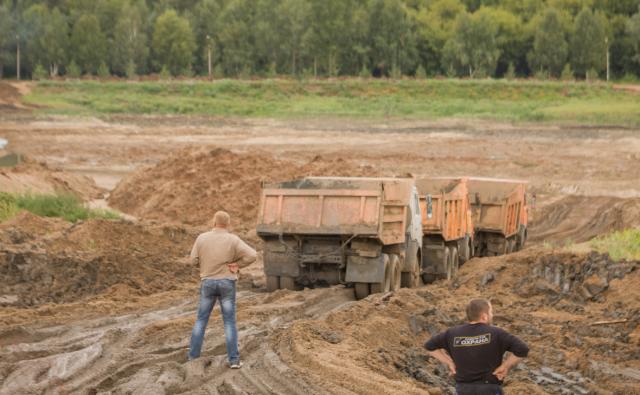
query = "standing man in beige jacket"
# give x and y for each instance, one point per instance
(220, 255)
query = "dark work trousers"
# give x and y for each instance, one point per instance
(478, 389)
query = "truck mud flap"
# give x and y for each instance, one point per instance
(365, 270)
(279, 264)
(432, 259)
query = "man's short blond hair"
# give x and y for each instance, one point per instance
(221, 218)
(476, 308)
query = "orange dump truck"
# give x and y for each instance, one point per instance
(364, 232)
(446, 226)
(499, 212)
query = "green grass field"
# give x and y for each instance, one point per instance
(575, 102)
(66, 206)
(619, 245)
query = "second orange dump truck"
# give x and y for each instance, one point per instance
(447, 227)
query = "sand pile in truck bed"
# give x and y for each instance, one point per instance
(190, 185)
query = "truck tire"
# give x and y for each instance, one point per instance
(511, 246)
(287, 283)
(428, 278)
(394, 271)
(411, 279)
(521, 238)
(465, 250)
(273, 283)
(455, 263)
(385, 284)
(361, 290)
(446, 265)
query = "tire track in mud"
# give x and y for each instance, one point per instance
(146, 353)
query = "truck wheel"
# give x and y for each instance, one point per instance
(472, 249)
(446, 265)
(394, 271)
(428, 278)
(273, 283)
(511, 246)
(411, 279)
(455, 262)
(521, 238)
(287, 283)
(385, 285)
(465, 250)
(362, 290)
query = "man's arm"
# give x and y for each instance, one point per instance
(518, 349)
(442, 356)
(195, 256)
(245, 255)
(436, 346)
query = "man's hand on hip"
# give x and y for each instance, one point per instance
(501, 372)
(233, 267)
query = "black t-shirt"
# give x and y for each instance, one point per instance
(477, 350)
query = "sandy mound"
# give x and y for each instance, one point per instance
(47, 260)
(548, 299)
(10, 94)
(191, 185)
(322, 341)
(34, 177)
(580, 218)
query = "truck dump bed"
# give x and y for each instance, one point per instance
(444, 203)
(498, 205)
(372, 207)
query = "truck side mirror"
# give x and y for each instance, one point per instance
(429, 207)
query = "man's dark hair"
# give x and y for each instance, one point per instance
(476, 307)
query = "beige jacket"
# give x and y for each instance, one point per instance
(217, 248)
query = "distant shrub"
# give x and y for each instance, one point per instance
(510, 74)
(130, 72)
(72, 70)
(39, 73)
(421, 73)
(541, 75)
(103, 71)
(396, 73)
(567, 73)
(629, 77)
(364, 72)
(592, 75)
(164, 73)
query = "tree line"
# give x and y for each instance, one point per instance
(239, 38)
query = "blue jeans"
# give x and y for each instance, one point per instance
(210, 291)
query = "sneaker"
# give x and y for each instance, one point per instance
(236, 365)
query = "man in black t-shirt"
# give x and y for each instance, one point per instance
(473, 352)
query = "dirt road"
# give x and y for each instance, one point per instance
(107, 307)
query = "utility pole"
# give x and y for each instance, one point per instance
(209, 55)
(18, 57)
(606, 44)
